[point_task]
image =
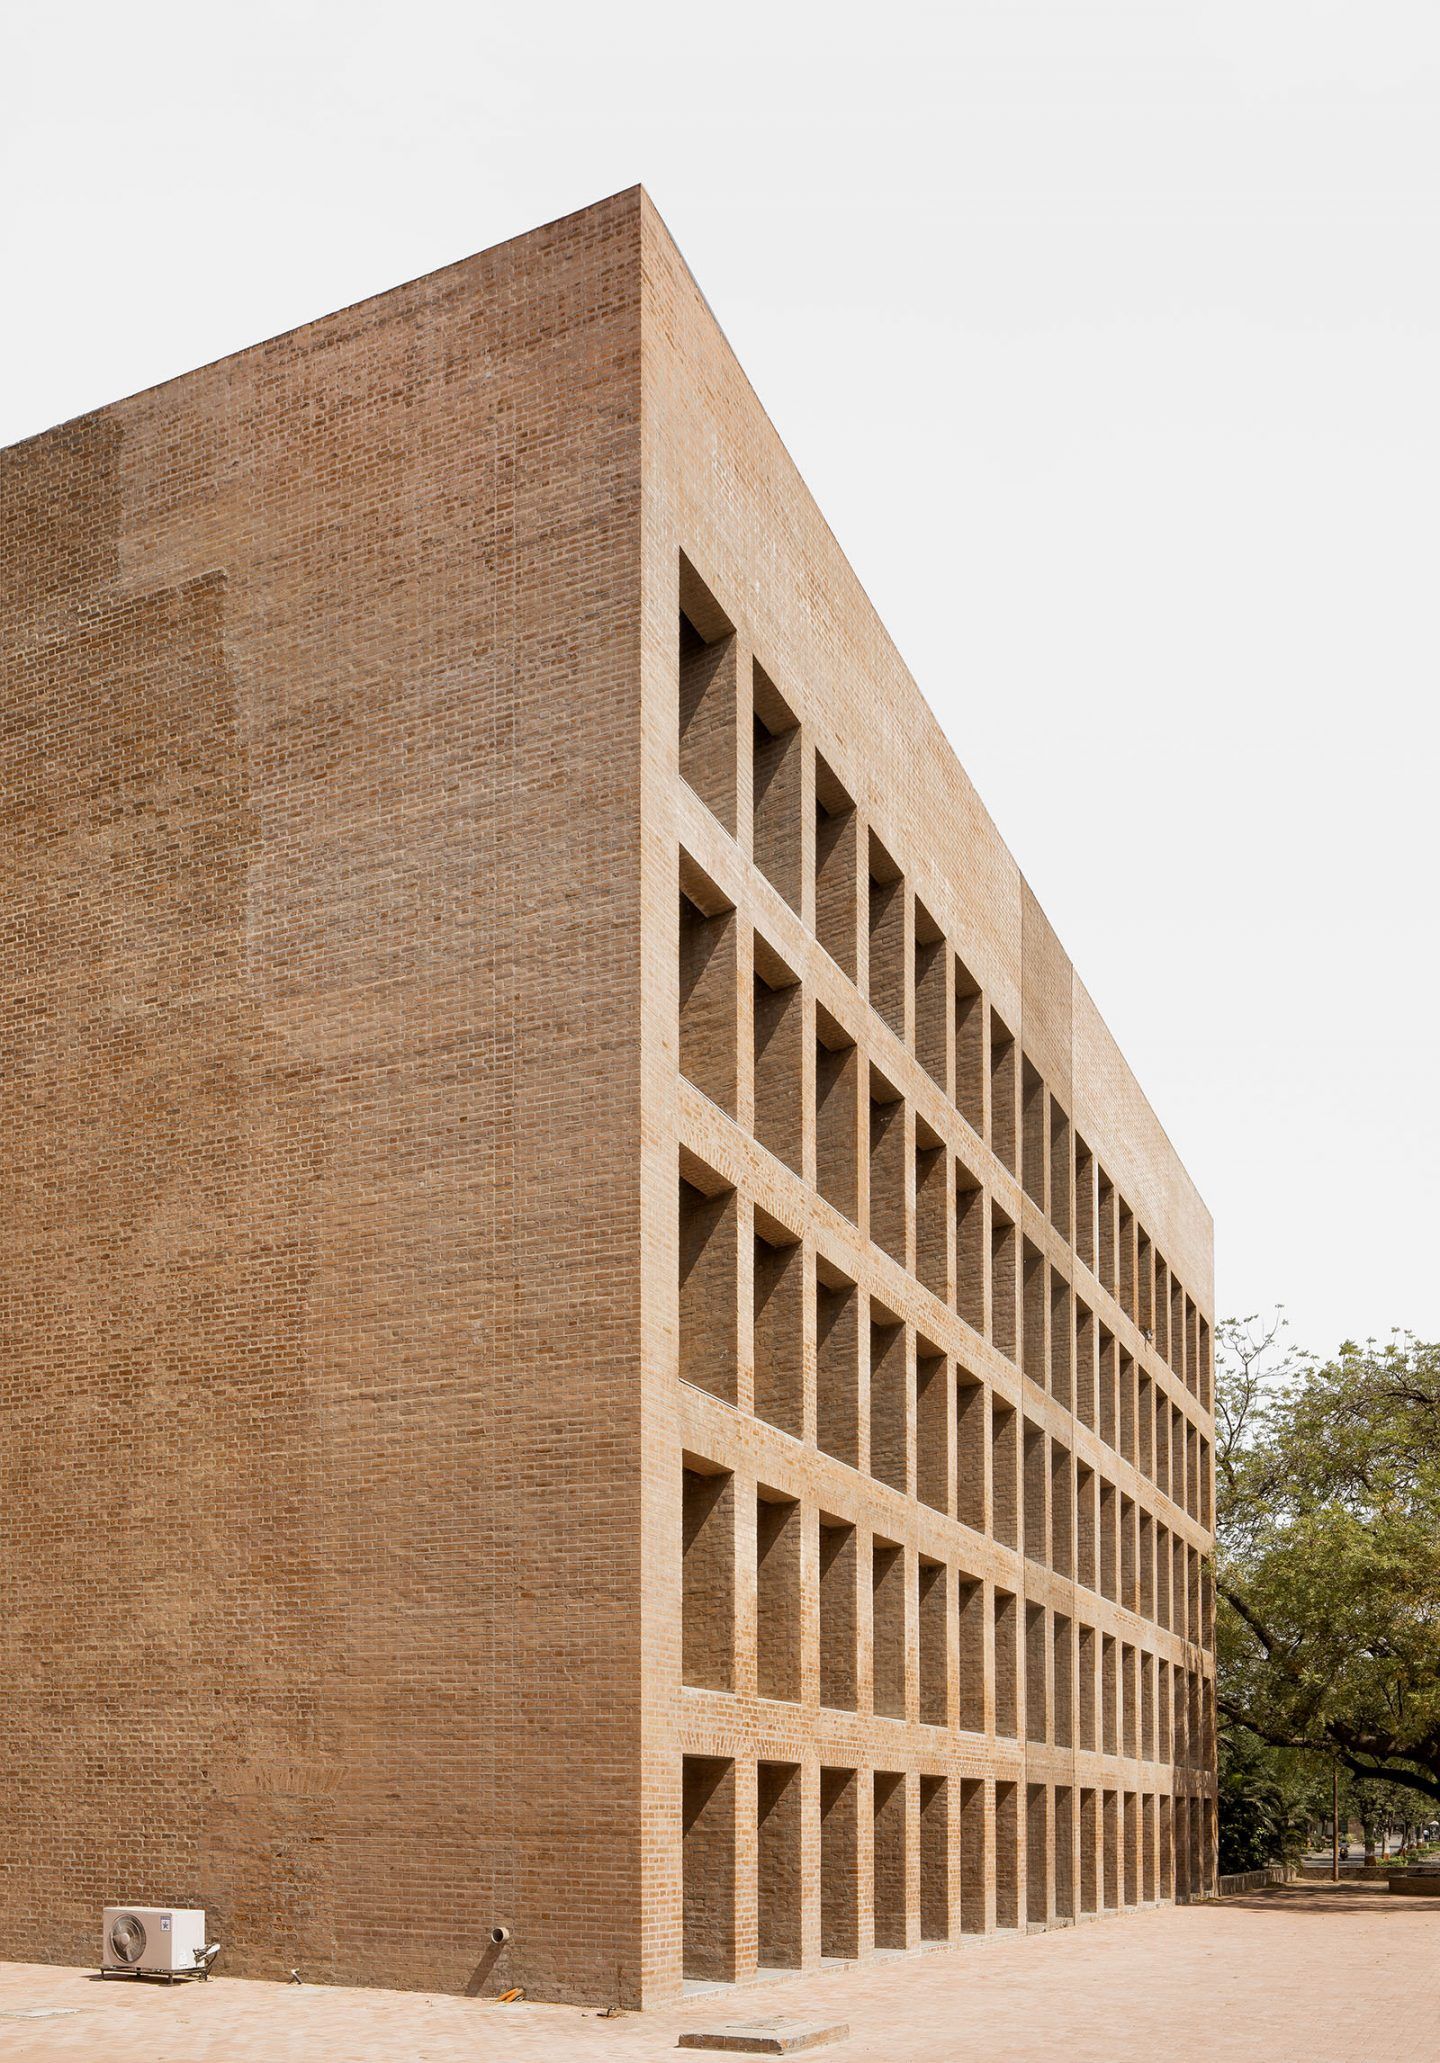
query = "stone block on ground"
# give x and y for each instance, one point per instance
(770, 2038)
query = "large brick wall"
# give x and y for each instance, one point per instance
(918, 1671)
(318, 1541)
(597, 1336)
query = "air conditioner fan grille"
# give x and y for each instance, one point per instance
(127, 1938)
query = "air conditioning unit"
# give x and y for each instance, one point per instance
(153, 1941)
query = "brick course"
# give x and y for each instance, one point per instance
(456, 794)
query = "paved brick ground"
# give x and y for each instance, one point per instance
(1309, 1975)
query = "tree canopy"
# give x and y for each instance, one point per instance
(1328, 1551)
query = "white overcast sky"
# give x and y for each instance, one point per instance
(1108, 338)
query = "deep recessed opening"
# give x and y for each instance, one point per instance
(779, 1331)
(776, 784)
(708, 731)
(1085, 1545)
(708, 1857)
(889, 1387)
(1109, 1695)
(1062, 1342)
(1003, 1093)
(779, 1066)
(1107, 1358)
(778, 1871)
(1035, 1486)
(1033, 1274)
(837, 1116)
(1084, 1202)
(1062, 1511)
(1037, 1855)
(1004, 1252)
(1157, 1327)
(1036, 1713)
(1110, 1837)
(1105, 1240)
(932, 1427)
(709, 1015)
(1125, 1262)
(1127, 1397)
(886, 891)
(1088, 1739)
(1086, 1368)
(971, 1245)
(1060, 1170)
(1132, 1848)
(837, 1366)
(889, 1168)
(970, 1670)
(969, 1049)
(1005, 1455)
(1007, 1856)
(971, 1432)
(973, 1858)
(1064, 1852)
(1109, 1541)
(932, 998)
(837, 864)
(1144, 1282)
(934, 1644)
(1063, 1643)
(1007, 1665)
(934, 1859)
(1032, 1133)
(839, 1863)
(777, 1596)
(709, 1285)
(932, 1212)
(1089, 1852)
(708, 1587)
(887, 1599)
(889, 1859)
(838, 1624)
(1176, 1354)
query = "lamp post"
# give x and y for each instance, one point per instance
(1334, 1819)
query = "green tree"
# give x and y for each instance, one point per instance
(1382, 1808)
(1328, 1550)
(1268, 1799)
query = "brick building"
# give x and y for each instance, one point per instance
(597, 1337)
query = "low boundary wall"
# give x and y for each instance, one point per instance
(1255, 1880)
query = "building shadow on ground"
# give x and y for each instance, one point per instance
(1324, 1901)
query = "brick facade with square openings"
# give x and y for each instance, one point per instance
(598, 1339)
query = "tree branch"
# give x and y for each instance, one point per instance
(1351, 1751)
(1242, 1610)
(1393, 1773)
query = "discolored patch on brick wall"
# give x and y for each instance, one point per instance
(59, 512)
(163, 1461)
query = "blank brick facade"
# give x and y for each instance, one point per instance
(597, 1337)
